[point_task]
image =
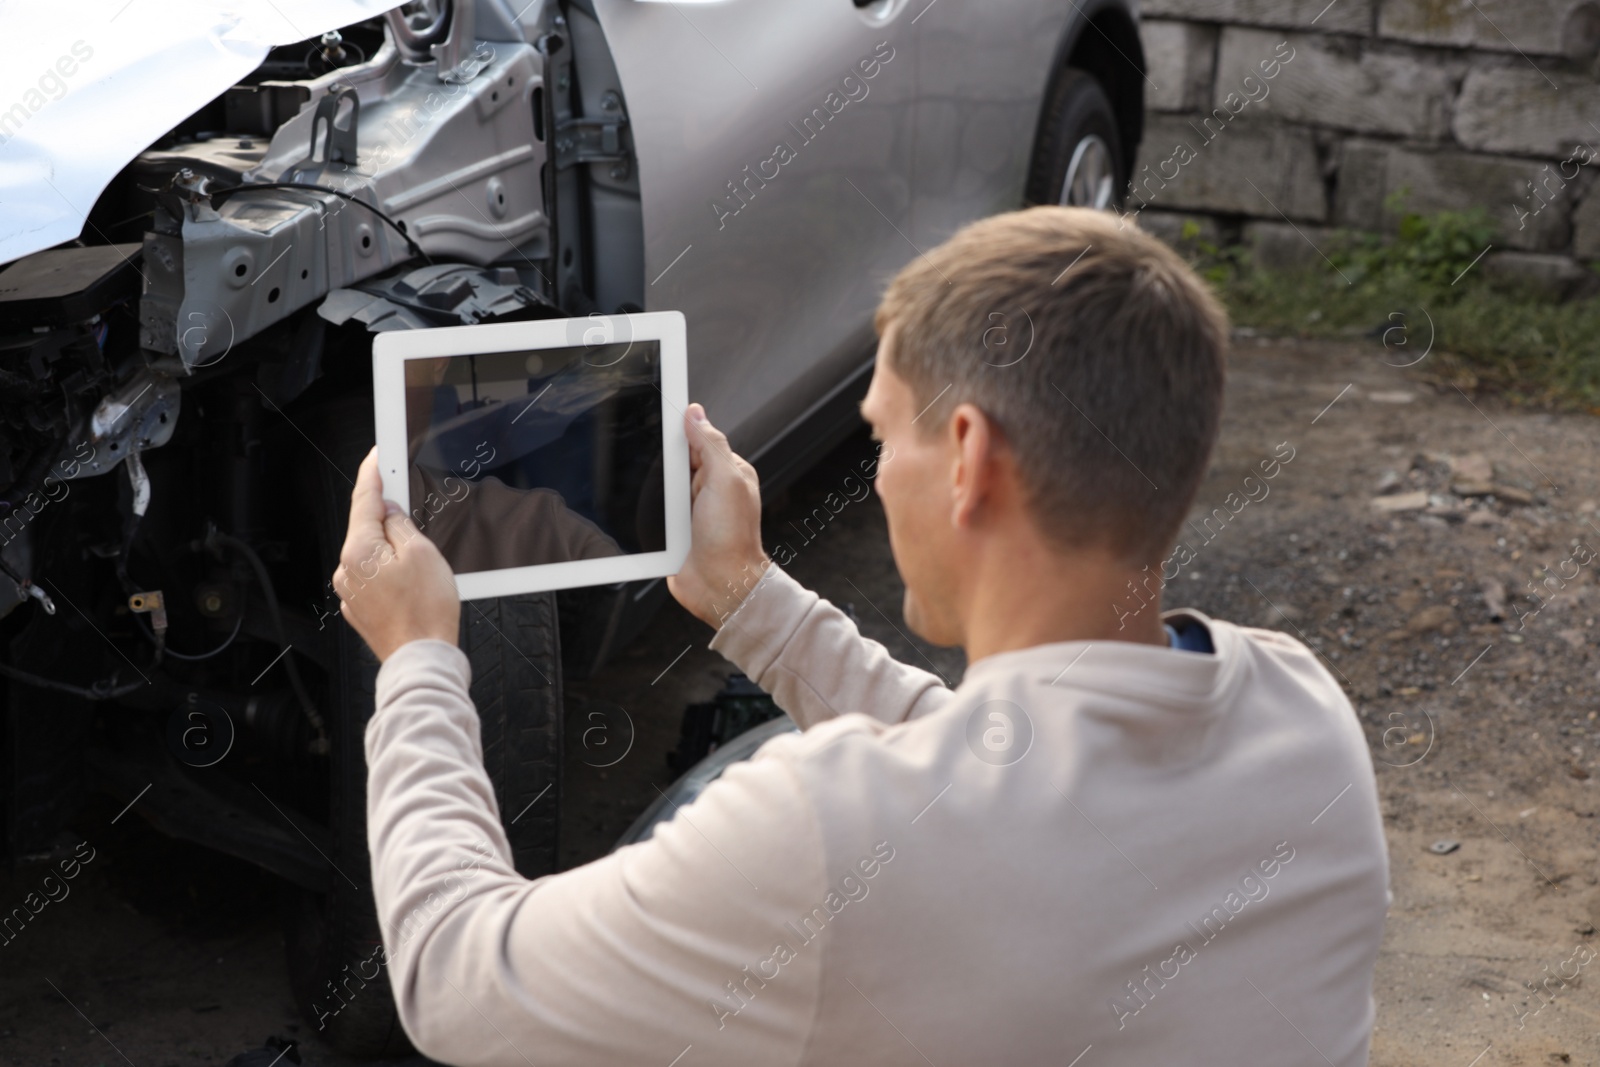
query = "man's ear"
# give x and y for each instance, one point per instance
(974, 443)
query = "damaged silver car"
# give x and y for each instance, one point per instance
(208, 214)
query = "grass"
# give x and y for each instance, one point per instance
(1486, 338)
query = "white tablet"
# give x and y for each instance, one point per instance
(540, 455)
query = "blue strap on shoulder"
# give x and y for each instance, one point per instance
(1192, 638)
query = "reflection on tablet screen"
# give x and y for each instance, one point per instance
(546, 456)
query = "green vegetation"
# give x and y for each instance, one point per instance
(1516, 342)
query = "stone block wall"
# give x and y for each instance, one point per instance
(1268, 118)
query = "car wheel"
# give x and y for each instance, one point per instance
(1077, 159)
(333, 943)
(694, 781)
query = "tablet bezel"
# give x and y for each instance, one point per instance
(391, 349)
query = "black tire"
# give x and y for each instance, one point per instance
(332, 941)
(1076, 113)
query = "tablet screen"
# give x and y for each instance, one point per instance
(542, 456)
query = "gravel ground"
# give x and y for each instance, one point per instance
(1478, 700)
(1464, 632)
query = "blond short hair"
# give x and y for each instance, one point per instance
(1095, 348)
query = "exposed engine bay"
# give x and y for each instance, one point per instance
(170, 382)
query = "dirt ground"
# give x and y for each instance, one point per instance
(1483, 728)
(1464, 631)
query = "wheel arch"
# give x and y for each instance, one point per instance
(1105, 44)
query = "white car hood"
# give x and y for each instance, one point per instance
(96, 81)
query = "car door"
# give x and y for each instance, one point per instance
(774, 145)
(982, 69)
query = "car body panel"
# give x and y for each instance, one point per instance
(779, 277)
(118, 75)
(981, 73)
(775, 266)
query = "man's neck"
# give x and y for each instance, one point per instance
(1031, 595)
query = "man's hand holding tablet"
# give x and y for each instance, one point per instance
(394, 587)
(725, 554)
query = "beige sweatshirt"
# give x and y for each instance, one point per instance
(1085, 854)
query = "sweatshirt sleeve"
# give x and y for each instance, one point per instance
(814, 661)
(629, 959)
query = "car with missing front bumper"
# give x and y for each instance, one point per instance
(209, 215)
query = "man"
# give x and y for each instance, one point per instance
(1120, 840)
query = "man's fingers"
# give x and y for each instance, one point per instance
(398, 528)
(365, 534)
(710, 454)
(341, 584)
(367, 543)
(691, 429)
(704, 438)
(369, 483)
(407, 540)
